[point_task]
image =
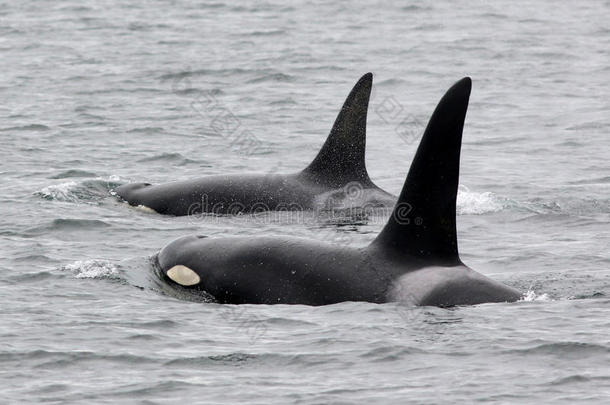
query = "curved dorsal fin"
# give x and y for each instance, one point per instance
(341, 159)
(422, 224)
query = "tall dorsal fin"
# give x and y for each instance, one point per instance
(341, 159)
(422, 224)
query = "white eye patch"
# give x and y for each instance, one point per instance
(146, 209)
(183, 275)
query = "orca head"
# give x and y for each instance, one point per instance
(174, 261)
(132, 192)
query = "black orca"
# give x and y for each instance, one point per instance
(414, 258)
(337, 175)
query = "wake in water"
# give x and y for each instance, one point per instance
(473, 203)
(89, 190)
(531, 295)
(97, 269)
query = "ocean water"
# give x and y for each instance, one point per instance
(97, 94)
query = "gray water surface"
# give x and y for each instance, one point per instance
(97, 94)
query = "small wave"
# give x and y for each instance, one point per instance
(241, 359)
(493, 15)
(144, 337)
(576, 378)
(473, 203)
(285, 322)
(571, 144)
(592, 295)
(71, 224)
(273, 77)
(212, 5)
(566, 349)
(284, 101)
(99, 269)
(89, 117)
(233, 357)
(146, 130)
(428, 27)
(266, 33)
(230, 358)
(413, 7)
(260, 6)
(161, 324)
(568, 206)
(32, 277)
(68, 225)
(175, 158)
(31, 127)
(72, 173)
(197, 92)
(203, 72)
(586, 125)
(594, 181)
(60, 359)
(182, 75)
(390, 353)
(138, 26)
(500, 140)
(391, 82)
(29, 258)
(540, 206)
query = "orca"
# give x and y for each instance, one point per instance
(414, 258)
(337, 177)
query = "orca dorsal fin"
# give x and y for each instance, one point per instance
(341, 159)
(422, 225)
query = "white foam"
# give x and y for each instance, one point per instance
(61, 192)
(93, 269)
(86, 189)
(470, 202)
(531, 295)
